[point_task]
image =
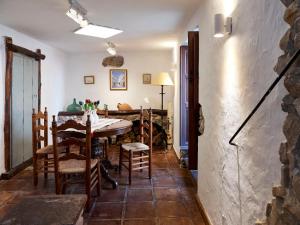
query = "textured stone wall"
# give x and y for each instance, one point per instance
(285, 206)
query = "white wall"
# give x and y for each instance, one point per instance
(53, 72)
(235, 185)
(136, 63)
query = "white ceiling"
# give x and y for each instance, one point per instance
(147, 24)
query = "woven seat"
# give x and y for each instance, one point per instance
(102, 139)
(136, 146)
(45, 150)
(75, 166)
(48, 150)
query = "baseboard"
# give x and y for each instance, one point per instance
(204, 214)
(9, 174)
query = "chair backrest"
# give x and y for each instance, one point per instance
(146, 126)
(39, 129)
(71, 138)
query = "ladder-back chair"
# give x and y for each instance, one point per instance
(42, 153)
(138, 155)
(72, 162)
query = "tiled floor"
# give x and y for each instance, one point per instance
(167, 199)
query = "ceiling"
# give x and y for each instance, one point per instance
(147, 24)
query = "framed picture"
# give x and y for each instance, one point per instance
(89, 79)
(146, 78)
(118, 79)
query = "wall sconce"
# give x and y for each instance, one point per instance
(222, 26)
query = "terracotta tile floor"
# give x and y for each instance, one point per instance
(167, 199)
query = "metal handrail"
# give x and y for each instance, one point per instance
(283, 72)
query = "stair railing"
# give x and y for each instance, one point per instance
(283, 72)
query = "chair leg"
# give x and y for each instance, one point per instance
(120, 159)
(88, 193)
(130, 166)
(35, 171)
(141, 160)
(99, 179)
(46, 166)
(57, 184)
(64, 185)
(105, 149)
(150, 165)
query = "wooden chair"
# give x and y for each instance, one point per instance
(42, 153)
(139, 154)
(75, 163)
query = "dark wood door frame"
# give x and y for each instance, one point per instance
(193, 69)
(10, 49)
(184, 97)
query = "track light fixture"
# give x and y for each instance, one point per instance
(111, 48)
(77, 13)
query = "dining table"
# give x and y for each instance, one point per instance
(104, 127)
(120, 127)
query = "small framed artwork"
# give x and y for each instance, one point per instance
(118, 79)
(146, 78)
(89, 79)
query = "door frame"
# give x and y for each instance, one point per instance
(194, 106)
(183, 146)
(10, 48)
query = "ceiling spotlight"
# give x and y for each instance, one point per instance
(111, 48)
(77, 13)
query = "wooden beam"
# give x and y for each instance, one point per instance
(7, 104)
(24, 51)
(38, 51)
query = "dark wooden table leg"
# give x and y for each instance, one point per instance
(106, 176)
(105, 164)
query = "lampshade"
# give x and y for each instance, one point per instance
(162, 79)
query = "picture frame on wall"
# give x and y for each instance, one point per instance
(90, 79)
(146, 78)
(118, 79)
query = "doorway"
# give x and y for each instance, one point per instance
(189, 100)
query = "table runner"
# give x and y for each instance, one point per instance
(103, 122)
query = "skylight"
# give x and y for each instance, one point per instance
(97, 31)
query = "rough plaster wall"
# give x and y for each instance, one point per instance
(53, 73)
(234, 186)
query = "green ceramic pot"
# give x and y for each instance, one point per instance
(74, 107)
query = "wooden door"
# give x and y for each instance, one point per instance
(184, 101)
(24, 94)
(30, 102)
(17, 119)
(193, 86)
